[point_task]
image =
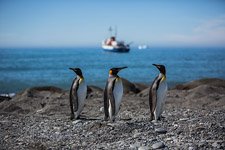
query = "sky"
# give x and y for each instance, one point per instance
(75, 23)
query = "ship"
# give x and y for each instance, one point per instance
(111, 44)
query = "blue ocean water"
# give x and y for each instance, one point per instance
(23, 68)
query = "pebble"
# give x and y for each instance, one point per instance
(191, 148)
(175, 140)
(56, 128)
(76, 121)
(143, 148)
(202, 143)
(216, 144)
(135, 145)
(160, 130)
(184, 119)
(102, 109)
(84, 143)
(155, 122)
(137, 135)
(158, 145)
(169, 139)
(120, 143)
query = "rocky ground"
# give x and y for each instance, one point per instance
(38, 118)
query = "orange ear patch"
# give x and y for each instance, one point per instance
(110, 72)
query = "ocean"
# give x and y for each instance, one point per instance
(24, 68)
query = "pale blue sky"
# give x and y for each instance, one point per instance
(71, 23)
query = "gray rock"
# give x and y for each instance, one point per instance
(191, 148)
(137, 135)
(120, 143)
(169, 139)
(160, 130)
(143, 148)
(129, 87)
(158, 145)
(216, 144)
(202, 143)
(156, 122)
(102, 109)
(76, 121)
(184, 119)
(135, 145)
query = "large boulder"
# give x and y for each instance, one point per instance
(36, 99)
(207, 81)
(129, 87)
(94, 91)
(199, 93)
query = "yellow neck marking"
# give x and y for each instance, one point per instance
(118, 78)
(163, 78)
(81, 79)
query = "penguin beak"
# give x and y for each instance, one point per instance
(74, 69)
(77, 71)
(121, 68)
(161, 68)
(156, 65)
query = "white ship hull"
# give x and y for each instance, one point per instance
(110, 48)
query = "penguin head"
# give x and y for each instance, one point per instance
(77, 71)
(161, 68)
(114, 71)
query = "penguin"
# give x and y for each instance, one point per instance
(113, 94)
(157, 93)
(78, 93)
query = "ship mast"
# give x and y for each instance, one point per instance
(110, 31)
(115, 31)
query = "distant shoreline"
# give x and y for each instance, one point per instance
(171, 85)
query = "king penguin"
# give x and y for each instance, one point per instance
(78, 92)
(157, 93)
(113, 94)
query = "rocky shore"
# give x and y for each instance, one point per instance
(39, 118)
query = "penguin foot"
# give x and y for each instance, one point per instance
(154, 121)
(106, 118)
(83, 117)
(72, 117)
(112, 120)
(152, 117)
(162, 117)
(159, 119)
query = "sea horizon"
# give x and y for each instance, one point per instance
(30, 67)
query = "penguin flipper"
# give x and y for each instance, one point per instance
(74, 97)
(152, 102)
(71, 103)
(153, 97)
(112, 99)
(106, 102)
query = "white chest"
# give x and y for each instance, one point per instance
(161, 92)
(118, 93)
(82, 93)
